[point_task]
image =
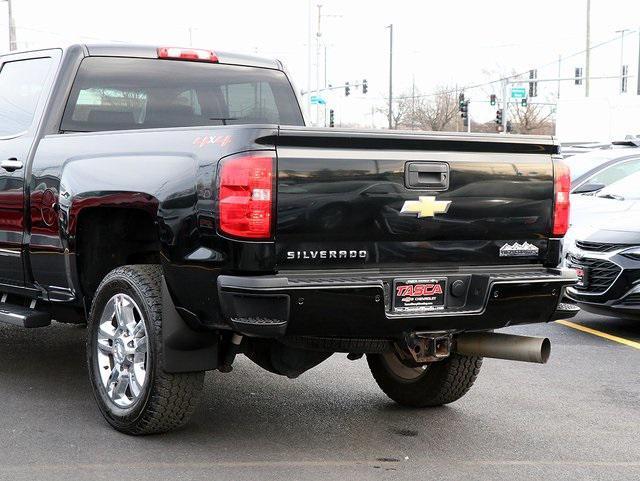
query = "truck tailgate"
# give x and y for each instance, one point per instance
(368, 199)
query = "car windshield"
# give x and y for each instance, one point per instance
(624, 189)
(582, 163)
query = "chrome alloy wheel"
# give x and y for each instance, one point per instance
(122, 350)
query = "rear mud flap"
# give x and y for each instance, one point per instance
(183, 349)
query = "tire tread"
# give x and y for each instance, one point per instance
(173, 397)
(444, 381)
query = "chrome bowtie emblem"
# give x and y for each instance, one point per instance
(425, 206)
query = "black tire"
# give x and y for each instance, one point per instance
(166, 400)
(439, 383)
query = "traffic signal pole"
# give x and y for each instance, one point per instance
(587, 63)
(505, 104)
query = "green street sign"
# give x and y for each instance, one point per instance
(518, 92)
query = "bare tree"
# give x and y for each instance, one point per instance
(401, 110)
(438, 111)
(531, 119)
(130, 99)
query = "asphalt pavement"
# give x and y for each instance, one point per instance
(576, 417)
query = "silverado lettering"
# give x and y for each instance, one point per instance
(352, 254)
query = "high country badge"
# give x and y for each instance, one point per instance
(519, 250)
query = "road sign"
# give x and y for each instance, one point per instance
(316, 99)
(518, 92)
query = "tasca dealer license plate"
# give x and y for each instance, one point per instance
(416, 295)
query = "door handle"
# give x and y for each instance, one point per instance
(427, 175)
(11, 165)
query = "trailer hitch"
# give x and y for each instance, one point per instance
(428, 346)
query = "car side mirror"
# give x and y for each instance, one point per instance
(587, 188)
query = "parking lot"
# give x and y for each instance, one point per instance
(575, 418)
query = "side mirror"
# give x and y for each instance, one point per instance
(587, 188)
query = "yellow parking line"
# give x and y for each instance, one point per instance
(604, 335)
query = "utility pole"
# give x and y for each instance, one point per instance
(413, 100)
(307, 101)
(318, 36)
(559, 74)
(622, 32)
(587, 72)
(505, 105)
(390, 27)
(12, 27)
(325, 83)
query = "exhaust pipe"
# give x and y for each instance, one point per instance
(504, 346)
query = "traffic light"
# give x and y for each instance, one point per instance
(347, 89)
(332, 118)
(492, 99)
(533, 84)
(464, 109)
(499, 116)
(523, 102)
(463, 106)
(365, 87)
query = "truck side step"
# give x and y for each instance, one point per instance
(23, 316)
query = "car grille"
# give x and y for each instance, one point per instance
(599, 246)
(602, 273)
(632, 299)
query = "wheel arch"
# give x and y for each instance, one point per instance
(115, 189)
(106, 236)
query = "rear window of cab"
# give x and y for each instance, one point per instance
(114, 93)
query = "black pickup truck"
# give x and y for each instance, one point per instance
(174, 201)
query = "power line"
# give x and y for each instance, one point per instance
(509, 77)
(63, 35)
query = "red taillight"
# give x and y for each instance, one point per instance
(245, 193)
(196, 54)
(561, 190)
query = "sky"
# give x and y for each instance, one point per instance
(436, 43)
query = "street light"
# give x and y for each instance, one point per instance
(12, 26)
(390, 27)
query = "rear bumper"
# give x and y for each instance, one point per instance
(357, 304)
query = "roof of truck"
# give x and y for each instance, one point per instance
(151, 51)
